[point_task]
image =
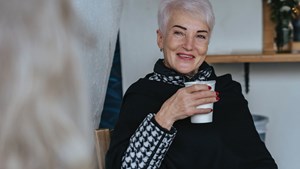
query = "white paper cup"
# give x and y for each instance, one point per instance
(208, 117)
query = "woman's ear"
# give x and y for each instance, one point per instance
(160, 39)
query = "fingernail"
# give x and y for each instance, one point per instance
(218, 98)
(217, 93)
(211, 110)
(209, 87)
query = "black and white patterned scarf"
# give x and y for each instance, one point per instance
(163, 74)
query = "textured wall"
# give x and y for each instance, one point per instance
(101, 19)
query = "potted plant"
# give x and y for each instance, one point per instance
(282, 14)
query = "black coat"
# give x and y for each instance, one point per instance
(229, 142)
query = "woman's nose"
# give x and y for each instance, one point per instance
(188, 43)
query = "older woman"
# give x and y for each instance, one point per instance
(154, 129)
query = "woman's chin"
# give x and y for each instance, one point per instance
(187, 72)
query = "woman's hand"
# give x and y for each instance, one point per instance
(184, 104)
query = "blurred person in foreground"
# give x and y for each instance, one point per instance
(44, 121)
(154, 129)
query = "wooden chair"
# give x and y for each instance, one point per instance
(102, 137)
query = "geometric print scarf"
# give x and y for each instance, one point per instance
(163, 74)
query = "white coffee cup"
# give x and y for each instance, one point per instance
(207, 117)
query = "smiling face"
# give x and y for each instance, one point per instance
(184, 43)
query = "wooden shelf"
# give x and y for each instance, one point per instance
(253, 58)
(268, 55)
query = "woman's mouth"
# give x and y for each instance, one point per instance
(185, 56)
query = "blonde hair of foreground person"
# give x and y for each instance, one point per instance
(44, 121)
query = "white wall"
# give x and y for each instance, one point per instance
(274, 87)
(139, 51)
(238, 27)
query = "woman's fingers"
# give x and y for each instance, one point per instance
(200, 98)
(197, 95)
(203, 94)
(184, 103)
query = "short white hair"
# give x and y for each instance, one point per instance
(200, 8)
(44, 114)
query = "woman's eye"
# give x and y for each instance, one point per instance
(178, 33)
(201, 36)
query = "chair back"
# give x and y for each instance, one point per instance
(102, 145)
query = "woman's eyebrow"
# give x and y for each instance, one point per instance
(184, 28)
(181, 27)
(202, 31)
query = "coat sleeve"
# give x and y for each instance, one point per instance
(238, 129)
(147, 146)
(137, 140)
